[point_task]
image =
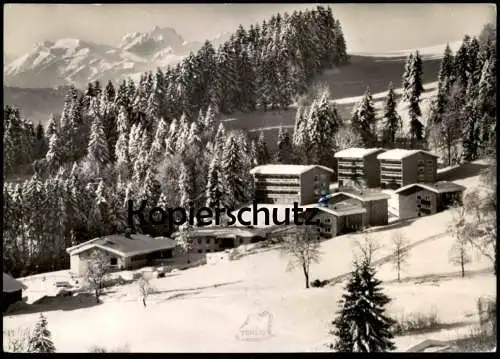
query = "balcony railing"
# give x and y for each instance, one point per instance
(392, 175)
(279, 190)
(277, 180)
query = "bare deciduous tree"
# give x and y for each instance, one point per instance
(401, 253)
(95, 275)
(480, 232)
(303, 247)
(346, 137)
(366, 249)
(459, 252)
(145, 289)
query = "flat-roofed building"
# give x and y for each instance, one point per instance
(400, 167)
(359, 166)
(286, 184)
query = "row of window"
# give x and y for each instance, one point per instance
(267, 185)
(421, 162)
(284, 176)
(211, 241)
(351, 164)
(323, 176)
(279, 191)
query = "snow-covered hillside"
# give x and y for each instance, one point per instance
(73, 61)
(435, 51)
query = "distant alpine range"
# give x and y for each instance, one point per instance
(70, 61)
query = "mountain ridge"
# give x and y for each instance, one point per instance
(71, 61)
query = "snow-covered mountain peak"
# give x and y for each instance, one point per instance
(73, 61)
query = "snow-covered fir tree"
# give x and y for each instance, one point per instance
(214, 189)
(159, 142)
(262, 153)
(186, 190)
(362, 325)
(40, 340)
(392, 120)
(232, 168)
(97, 152)
(364, 119)
(412, 89)
(283, 147)
(53, 157)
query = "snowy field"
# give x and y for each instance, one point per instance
(202, 309)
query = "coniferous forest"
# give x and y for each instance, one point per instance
(159, 139)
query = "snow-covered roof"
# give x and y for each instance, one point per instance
(124, 246)
(438, 187)
(219, 231)
(279, 169)
(364, 196)
(11, 285)
(399, 153)
(357, 152)
(339, 212)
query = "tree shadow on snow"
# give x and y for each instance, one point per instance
(435, 278)
(396, 224)
(51, 303)
(466, 170)
(217, 285)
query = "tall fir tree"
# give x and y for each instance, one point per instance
(214, 189)
(362, 325)
(232, 174)
(364, 120)
(98, 155)
(262, 153)
(284, 147)
(412, 89)
(40, 340)
(53, 157)
(392, 119)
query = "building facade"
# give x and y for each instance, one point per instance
(419, 199)
(359, 166)
(217, 239)
(12, 291)
(331, 223)
(373, 203)
(401, 167)
(120, 252)
(286, 184)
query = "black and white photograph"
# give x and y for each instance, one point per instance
(249, 178)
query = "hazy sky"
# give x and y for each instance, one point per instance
(367, 27)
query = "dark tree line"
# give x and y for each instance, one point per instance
(463, 116)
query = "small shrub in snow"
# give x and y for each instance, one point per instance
(476, 341)
(416, 322)
(487, 311)
(16, 341)
(318, 283)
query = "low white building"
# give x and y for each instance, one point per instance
(122, 252)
